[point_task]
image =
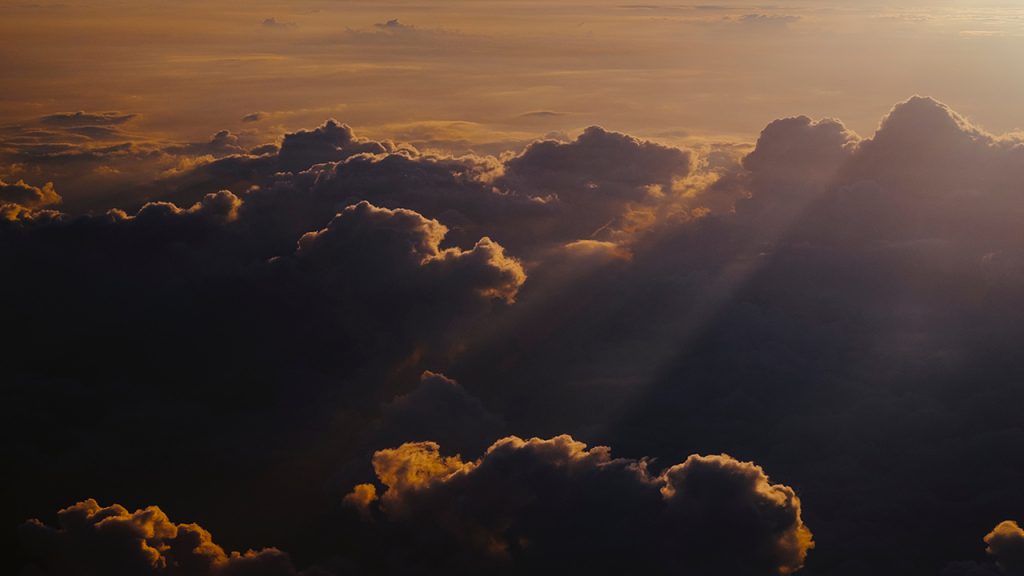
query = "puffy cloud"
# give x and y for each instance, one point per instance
(592, 181)
(182, 314)
(1006, 545)
(28, 196)
(94, 539)
(330, 142)
(1005, 548)
(795, 152)
(926, 172)
(856, 310)
(394, 241)
(596, 157)
(439, 410)
(593, 188)
(554, 505)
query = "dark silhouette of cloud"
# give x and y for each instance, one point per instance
(1006, 545)
(553, 505)
(28, 196)
(1005, 548)
(93, 539)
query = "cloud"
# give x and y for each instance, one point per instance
(439, 410)
(28, 196)
(100, 166)
(843, 310)
(330, 142)
(222, 143)
(336, 314)
(1005, 548)
(254, 117)
(1006, 545)
(363, 233)
(93, 539)
(81, 118)
(768, 19)
(550, 194)
(542, 114)
(393, 24)
(552, 505)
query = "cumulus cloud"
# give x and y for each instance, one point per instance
(926, 172)
(28, 196)
(330, 142)
(598, 166)
(94, 539)
(1005, 548)
(380, 239)
(291, 338)
(551, 505)
(439, 410)
(1006, 545)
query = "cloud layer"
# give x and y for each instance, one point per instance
(842, 310)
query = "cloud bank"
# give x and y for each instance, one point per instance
(842, 310)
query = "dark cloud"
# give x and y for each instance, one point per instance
(296, 340)
(553, 505)
(1006, 546)
(850, 323)
(400, 245)
(392, 24)
(438, 410)
(1005, 549)
(94, 539)
(601, 185)
(28, 196)
(254, 117)
(81, 118)
(328, 143)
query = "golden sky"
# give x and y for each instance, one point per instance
(505, 71)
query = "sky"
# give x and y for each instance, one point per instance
(347, 288)
(477, 70)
